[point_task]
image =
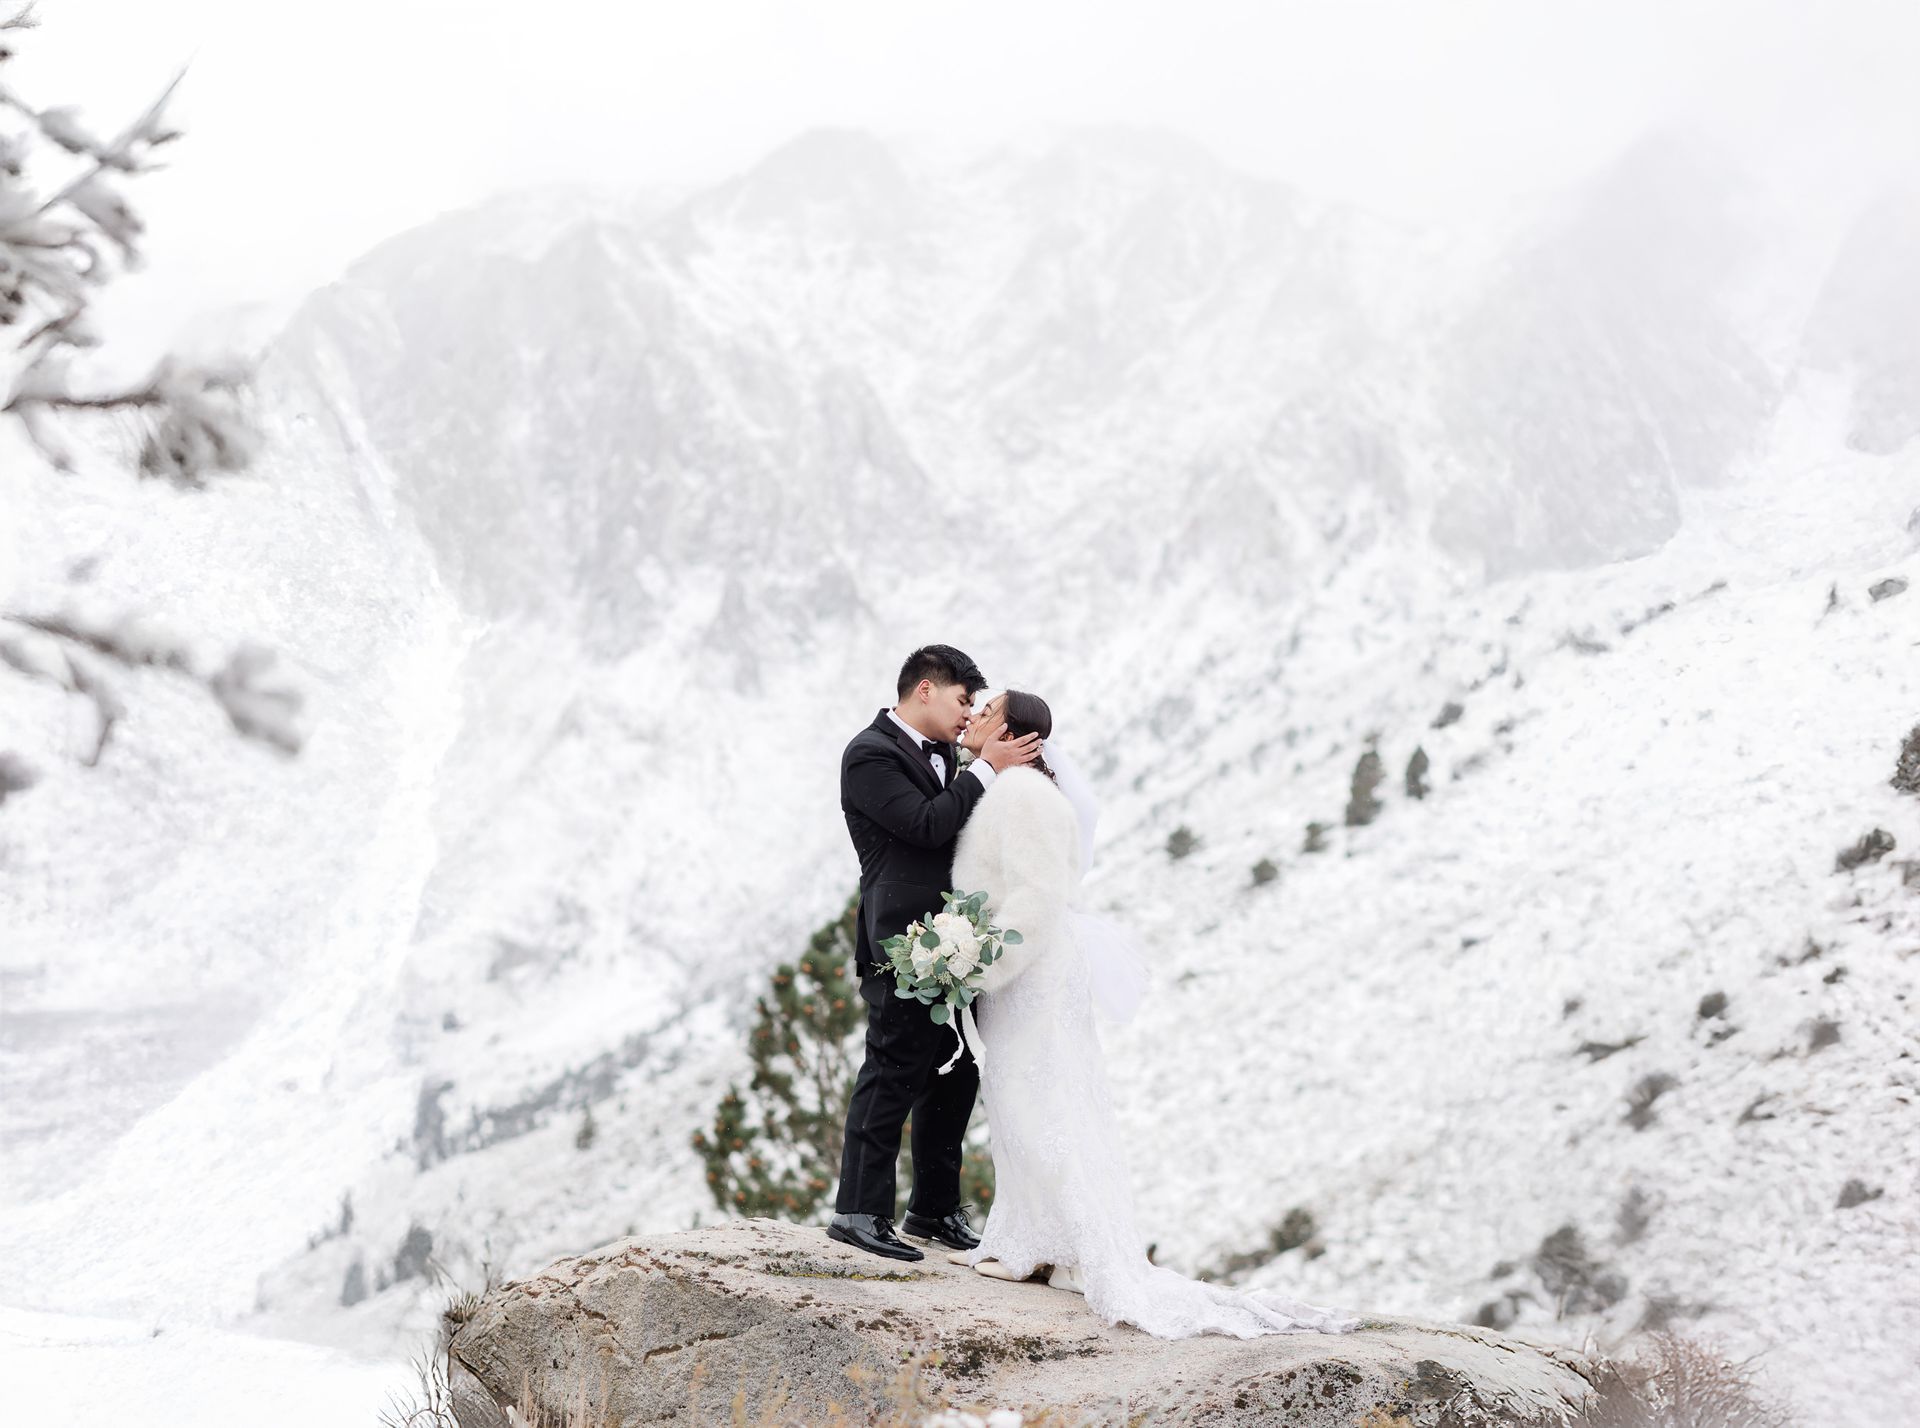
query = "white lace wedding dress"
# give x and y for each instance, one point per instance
(1061, 1194)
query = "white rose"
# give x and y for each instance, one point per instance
(924, 958)
(962, 960)
(956, 936)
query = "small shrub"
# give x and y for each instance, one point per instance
(1417, 774)
(1363, 806)
(1673, 1381)
(1660, 1310)
(584, 1137)
(1296, 1230)
(1578, 1282)
(1181, 842)
(1640, 1101)
(1870, 849)
(1450, 713)
(1906, 770)
(1855, 1192)
(411, 1260)
(1316, 838)
(1632, 1218)
(431, 1403)
(1502, 1313)
(1264, 872)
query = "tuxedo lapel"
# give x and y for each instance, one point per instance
(916, 758)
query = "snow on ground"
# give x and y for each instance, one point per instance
(70, 1369)
(1436, 1034)
(279, 1026)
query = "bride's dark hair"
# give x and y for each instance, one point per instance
(1028, 714)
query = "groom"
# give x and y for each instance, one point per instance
(904, 807)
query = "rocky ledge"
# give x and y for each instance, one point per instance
(669, 1329)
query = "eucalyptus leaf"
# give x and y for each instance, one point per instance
(929, 938)
(1011, 937)
(941, 1014)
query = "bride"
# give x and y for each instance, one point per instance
(1061, 1202)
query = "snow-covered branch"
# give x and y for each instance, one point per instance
(54, 256)
(255, 708)
(61, 241)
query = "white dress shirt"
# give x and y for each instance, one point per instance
(979, 768)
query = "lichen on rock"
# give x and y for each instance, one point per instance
(638, 1331)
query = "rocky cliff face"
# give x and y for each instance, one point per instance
(645, 1330)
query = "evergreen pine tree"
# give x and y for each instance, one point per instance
(1906, 769)
(775, 1150)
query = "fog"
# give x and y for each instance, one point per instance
(311, 139)
(1451, 469)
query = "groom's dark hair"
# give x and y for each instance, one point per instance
(943, 664)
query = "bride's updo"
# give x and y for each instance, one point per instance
(1028, 714)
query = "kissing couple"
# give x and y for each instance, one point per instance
(1015, 823)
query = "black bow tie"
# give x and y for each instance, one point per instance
(940, 749)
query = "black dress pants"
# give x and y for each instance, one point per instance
(900, 1076)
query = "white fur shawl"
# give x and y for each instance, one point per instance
(1021, 848)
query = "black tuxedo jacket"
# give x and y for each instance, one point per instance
(904, 826)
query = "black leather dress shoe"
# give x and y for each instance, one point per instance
(872, 1233)
(951, 1230)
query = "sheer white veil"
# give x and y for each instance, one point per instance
(1116, 967)
(1086, 807)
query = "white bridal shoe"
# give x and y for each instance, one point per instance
(1063, 1277)
(1057, 1276)
(993, 1269)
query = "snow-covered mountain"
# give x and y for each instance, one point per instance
(593, 526)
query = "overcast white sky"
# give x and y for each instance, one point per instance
(316, 130)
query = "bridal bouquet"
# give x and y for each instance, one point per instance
(938, 964)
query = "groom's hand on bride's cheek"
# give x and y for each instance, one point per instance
(986, 726)
(1004, 753)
